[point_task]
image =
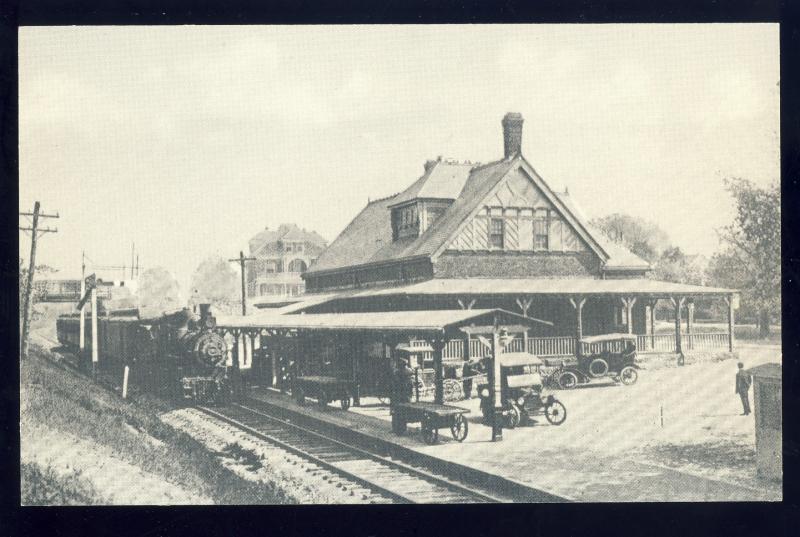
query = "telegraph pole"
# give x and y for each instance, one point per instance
(82, 324)
(241, 259)
(35, 230)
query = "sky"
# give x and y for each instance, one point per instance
(188, 140)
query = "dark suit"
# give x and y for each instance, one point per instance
(742, 387)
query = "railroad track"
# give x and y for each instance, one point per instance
(383, 476)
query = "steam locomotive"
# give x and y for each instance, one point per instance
(177, 354)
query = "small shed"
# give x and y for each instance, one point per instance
(769, 419)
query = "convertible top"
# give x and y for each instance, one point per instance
(513, 359)
(608, 337)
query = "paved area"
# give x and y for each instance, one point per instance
(676, 435)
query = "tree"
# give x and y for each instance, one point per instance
(158, 291)
(752, 262)
(215, 282)
(641, 237)
(40, 270)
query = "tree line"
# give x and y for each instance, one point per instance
(750, 258)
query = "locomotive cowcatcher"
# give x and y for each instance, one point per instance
(522, 393)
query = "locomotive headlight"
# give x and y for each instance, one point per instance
(485, 392)
(521, 401)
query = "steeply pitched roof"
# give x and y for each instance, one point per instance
(442, 180)
(619, 256)
(262, 241)
(368, 238)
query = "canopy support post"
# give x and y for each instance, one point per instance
(628, 302)
(652, 303)
(690, 323)
(578, 305)
(438, 346)
(678, 303)
(729, 300)
(495, 383)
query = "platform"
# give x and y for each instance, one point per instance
(545, 457)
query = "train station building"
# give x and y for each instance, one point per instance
(483, 237)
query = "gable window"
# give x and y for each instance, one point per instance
(496, 232)
(540, 230)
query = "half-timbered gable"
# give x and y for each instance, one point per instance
(467, 220)
(517, 217)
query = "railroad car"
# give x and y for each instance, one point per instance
(177, 354)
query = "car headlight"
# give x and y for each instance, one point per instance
(485, 392)
(521, 401)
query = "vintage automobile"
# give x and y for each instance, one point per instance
(604, 356)
(521, 392)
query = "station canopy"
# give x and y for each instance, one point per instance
(429, 321)
(545, 286)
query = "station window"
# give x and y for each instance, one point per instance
(540, 230)
(496, 233)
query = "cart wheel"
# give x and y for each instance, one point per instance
(345, 402)
(513, 418)
(567, 380)
(453, 391)
(322, 399)
(300, 396)
(555, 412)
(598, 367)
(628, 375)
(430, 434)
(459, 428)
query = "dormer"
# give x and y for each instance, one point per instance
(420, 205)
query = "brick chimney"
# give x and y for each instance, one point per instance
(512, 134)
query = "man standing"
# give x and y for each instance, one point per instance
(742, 387)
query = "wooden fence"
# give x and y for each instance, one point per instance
(666, 342)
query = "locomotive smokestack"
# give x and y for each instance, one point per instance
(204, 310)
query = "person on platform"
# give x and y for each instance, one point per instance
(742, 387)
(404, 382)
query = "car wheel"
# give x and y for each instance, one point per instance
(555, 412)
(628, 375)
(598, 368)
(567, 380)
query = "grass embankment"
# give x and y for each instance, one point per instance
(59, 403)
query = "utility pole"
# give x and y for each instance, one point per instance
(241, 261)
(35, 230)
(133, 245)
(82, 335)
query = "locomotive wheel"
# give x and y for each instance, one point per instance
(300, 396)
(567, 380)
(555, 412)
(345, 402)
(430, 434)
(628, 375)
(459, 428)
(514, 417)
(598, 368)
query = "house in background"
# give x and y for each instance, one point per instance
(281, 256)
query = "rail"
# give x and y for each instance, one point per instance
(388, 477)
